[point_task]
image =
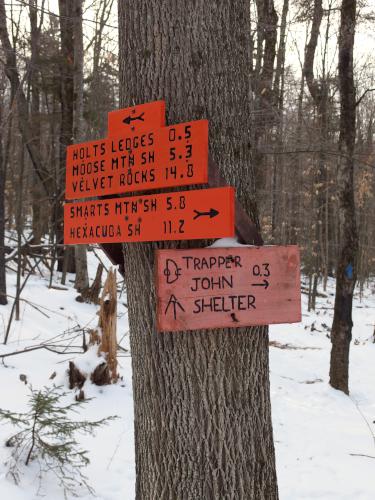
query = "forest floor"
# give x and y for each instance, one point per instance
(325, 441)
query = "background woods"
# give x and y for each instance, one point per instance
(288, 88)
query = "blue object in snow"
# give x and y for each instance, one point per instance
(349, 271)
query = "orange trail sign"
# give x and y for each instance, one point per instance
(182, 215)
(227, 287)
(151, 159)
(137, 119)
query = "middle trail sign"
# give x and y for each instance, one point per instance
(182, 215)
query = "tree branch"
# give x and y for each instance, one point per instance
(363, 95)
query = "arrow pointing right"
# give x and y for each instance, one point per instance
(212, 213)
(265, 284)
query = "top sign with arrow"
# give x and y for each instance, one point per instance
(136, 119)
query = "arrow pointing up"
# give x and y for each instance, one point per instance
(173, 301)
(212, 213)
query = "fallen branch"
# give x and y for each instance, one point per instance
(36, 348)
(30, 304)
(57, 287)
(305, 290)
(274, 343)
(14, 252)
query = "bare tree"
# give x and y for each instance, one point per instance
(346, 273)
(82, 278)
(34, 82)
(3, 287)
(66, 9)
(278, 91)
(319, 92)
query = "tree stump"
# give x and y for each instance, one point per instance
(91, 294)
(108, 323)
(105, 337)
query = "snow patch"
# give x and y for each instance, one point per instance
(87, 362)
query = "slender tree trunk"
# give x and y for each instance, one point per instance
(19, 227)
(203, 425)
(296, 181)
(265, 113)
(80, 251)
(280, 60)
(3, 286)
(39, 218)
(341, 333)
(318, 91)
(278, 161)
(66, 10)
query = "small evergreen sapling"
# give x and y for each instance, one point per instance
(47, 435)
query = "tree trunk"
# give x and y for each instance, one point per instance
(203, 425)
(91, 294)
(3, 286)
(319, 93)
(38, 197)
(66, 10)
(346, 275)
(263, 112)
(80, 251)
(278, 166)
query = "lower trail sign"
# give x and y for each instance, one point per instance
(227, 287)
(181, 215)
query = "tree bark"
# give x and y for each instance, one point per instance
(3, 285)
(319, 92)
(264, 113)
(346, 274)
(39, 219)
(66, 10)
(202, 404)
(278, 160)
(91, 294)
(80, 251)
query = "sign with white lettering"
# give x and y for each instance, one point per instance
(227, 287)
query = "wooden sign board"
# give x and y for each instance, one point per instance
(136, 119)
(182, 215)
(227, 287)
(166, 157)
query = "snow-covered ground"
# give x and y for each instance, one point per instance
(324, 440)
